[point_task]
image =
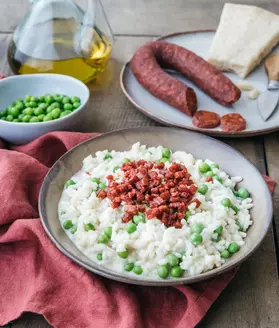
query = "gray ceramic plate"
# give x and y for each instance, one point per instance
(177, 139)
(199, 42)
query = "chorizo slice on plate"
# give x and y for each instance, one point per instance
(206, 120)
(233, 122)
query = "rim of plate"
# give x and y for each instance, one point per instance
(107, 273)
(166, 122)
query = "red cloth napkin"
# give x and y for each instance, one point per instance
(36, 277)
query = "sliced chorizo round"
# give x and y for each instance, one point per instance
(206, 120)
(233, 122)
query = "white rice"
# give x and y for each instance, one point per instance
(150, 244)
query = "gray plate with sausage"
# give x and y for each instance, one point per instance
(199, 42)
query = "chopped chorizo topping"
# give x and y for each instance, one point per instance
(153, 189)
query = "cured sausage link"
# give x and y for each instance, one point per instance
(151, 76)
(146, 68)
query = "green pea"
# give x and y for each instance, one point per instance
(55, 113)
(76, 105)
(65, 113)
(33, 99)
(204, 167)
(142, 215)
(137, 269)
(116, 168)
(68, 106)
(226, 202)
(243, 193)
(68, 224)
(196, 239)
(27, 98)
(75, 99)
(163, 271)
(187, 215)
(74, 229)
(42, 99)
(58, 98)
(15, 120)
(69, 183)
(216, 177)
(126, 160)
(235, 193)
(34, 119)
(233, 248)
(14, 111)
(166, 152)
(219, 230)
(26, 118)
(9, 118)
(20, 105)
(209, 174)
(4, 112)
(49, 109)
(89, 226)
(41, 117)
(102, 186)
(96, 180)
(28, 111)
(123, 255)
(240, 228)
(43, 106)
(129, 267)
(225, 254)
(20, 117)
(103, 239)
(108, 231)
(131, 227)
(197, 228)
(38, 111)
(49, 99)
(172, 260)
(137, 219)
(32, 104)
(48, 117)
(66, 100)
(176, 272)
(203, 189)
(214, 166)
(55, 105)
(235, 209)
(164, 160)
(99, 256)
(107, 156)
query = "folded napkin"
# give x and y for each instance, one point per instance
(36, 277)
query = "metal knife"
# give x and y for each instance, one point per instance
(268, 100)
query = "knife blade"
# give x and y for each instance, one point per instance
(268, 100)
(267, 103)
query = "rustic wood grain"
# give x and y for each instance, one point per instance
(272, 157)
(251, 299)
(143, 17)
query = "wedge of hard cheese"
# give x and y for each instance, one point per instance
(245, 35)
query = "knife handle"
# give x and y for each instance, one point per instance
(272, 67)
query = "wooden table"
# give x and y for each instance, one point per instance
(251, 299)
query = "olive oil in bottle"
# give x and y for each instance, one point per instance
(62, 46)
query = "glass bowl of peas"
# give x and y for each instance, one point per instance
(35, 104)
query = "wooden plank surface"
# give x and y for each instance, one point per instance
(142, 17)
(251, 299)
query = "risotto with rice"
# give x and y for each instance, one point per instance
(154, 213)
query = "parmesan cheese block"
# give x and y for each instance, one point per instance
(245, 35)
